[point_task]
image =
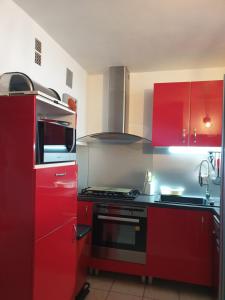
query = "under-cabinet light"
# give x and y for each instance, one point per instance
(194, 150)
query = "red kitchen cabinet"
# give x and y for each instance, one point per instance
(171, 111)
(55, 264)
(16, 196)
(37, 209)
(180, 245)
(85, 212)
(56, 197)
(206, 113)
(187, 113)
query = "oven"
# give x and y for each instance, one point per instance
(55, 141)
(119, 232)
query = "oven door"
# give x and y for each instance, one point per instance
(120, 238)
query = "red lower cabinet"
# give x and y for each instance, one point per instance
(55, 264)
(180, 245)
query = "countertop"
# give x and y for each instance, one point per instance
(154, 200)
(82, 230)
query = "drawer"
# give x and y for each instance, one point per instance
(56, 198)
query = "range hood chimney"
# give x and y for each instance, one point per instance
(115, 109)
(116, 89)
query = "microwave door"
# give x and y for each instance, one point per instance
(55, 142)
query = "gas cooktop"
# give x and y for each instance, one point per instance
(110, 193)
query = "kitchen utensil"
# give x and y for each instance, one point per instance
(218, 178)
(147, 189)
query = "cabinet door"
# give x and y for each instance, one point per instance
(171, 114)
(56, 197)
(55, 264)
(85, 211)
(206, 113)
(180, 245)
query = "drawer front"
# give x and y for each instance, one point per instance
(56, 198)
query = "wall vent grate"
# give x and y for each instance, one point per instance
(38, 45)
(37, 58)
(69, 78)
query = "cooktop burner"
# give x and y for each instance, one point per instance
(111, 193)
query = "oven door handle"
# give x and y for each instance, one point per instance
(128, 220)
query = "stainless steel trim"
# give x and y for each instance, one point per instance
(124, 100)
(75, 231)
(59, 156)
(216, 220)
(60, 174)
(183, 135)
(119, 254)
(121, 210)
(195, 135)
(53, 165)
(58, 122)
(128, 220)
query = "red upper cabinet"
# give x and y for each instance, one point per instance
(187, 113)
(171, 114)
(85, 212)
(206, 113)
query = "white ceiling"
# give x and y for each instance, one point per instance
(144, 35)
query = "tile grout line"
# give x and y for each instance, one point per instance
(110, 289)
(144, 291)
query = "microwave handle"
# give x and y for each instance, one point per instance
(128, 220)
(74, 140)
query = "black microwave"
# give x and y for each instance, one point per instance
(55, 142)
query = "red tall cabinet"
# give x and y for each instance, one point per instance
(38, 210)
(187, 113)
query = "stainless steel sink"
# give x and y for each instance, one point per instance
(182, 200)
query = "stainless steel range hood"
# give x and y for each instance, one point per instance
(115, 109)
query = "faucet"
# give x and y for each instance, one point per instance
(204, 179)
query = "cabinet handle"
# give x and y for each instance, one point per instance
(86, 210)
(203, 220)
(195, 135)
(60, 174)
(75, 230)
(183, 135)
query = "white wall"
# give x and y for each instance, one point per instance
(141, 89)
(17, 34)
(95, 103)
